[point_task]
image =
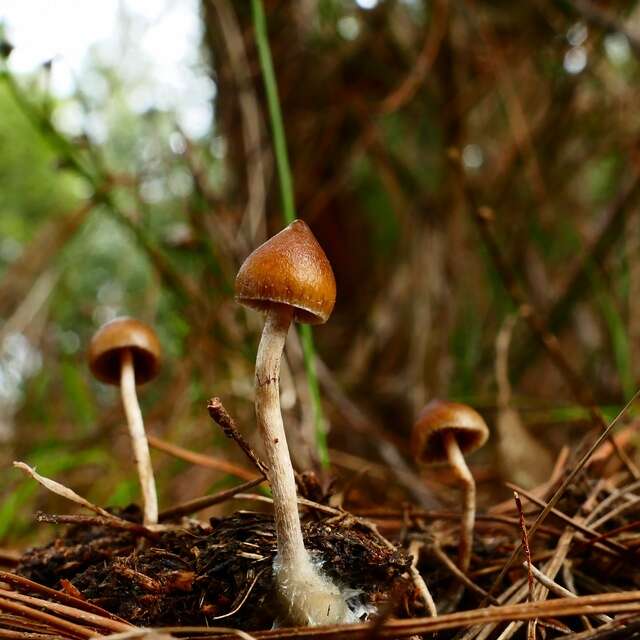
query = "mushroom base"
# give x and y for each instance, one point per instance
(308, 597)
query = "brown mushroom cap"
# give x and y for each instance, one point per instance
(466, 424)
(289, 269)
(112, 338)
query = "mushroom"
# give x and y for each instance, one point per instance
(445, 431)
(289, 279)
(126, 352)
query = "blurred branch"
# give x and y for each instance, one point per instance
(100, 183)
(200, 459)
(521, 457)
(204, 502)
(374, 432)
(602, 18)
(410, 84)
(286, 193)
(387, 451)
(254, 218)
(401, 95)
(33, 302)
(220, 257)
(510, 93)
(578, 281)
(483, 217)
(48, 242)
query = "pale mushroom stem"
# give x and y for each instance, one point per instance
(310, 597)
(269, 417)
(463, 474)
(138, 437)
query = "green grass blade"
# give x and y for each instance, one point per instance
(275, 113)
(288, 208)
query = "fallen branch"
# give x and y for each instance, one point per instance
(197, 504)
(98, 521)
(200, 459)
(65, 492)
(86, 617)
(618, 602)
(222, 417)
(73, 630)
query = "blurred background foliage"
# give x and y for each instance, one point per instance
(137, 172)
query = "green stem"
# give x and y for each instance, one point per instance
(289, 213)
(275, 113)
(308, 351)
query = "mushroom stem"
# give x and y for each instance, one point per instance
(309, 596)
(269, 417)
(463, 474)
(138, 437)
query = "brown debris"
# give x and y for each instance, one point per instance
(196, 574)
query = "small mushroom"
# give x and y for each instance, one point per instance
(289, 278)
(126, 352)
(444, 432)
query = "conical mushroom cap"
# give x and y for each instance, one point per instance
(289, 269)
(467, 425)
(112, 338)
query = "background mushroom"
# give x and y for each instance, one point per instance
(445, 431)
(289, 278)
(126, 352)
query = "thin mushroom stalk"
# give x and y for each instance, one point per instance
(138, 437)
(445, 432)
(125, 353)
(311, 598)
(269, 418)
(289, 278)
(463, 474)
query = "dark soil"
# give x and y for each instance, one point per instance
(197, 574)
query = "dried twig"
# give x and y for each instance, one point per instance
(9, 558)
(418, 580)
(84, 616)
(630, 626)
(243, 599)
(525, 541)
(160, 633)
(532, 625)
(197, 504)
(200, 459)
(612, 546)
(27, 635)
(222, 417)
(74, 630)
(20, 583)
(554, 587)
(458, 574)
(618, 602)
(65, 492)
(549, 507)
(100, 521)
